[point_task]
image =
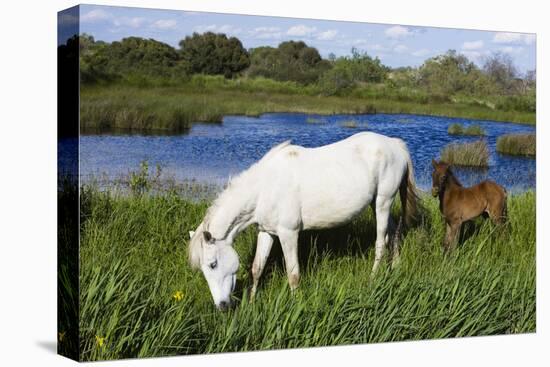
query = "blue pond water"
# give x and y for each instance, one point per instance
(211, 153)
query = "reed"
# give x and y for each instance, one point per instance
(517, 144)
(350, 124)
(471, 130)
(138, 293)
(473, 154)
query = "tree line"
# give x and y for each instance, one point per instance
(440, 77)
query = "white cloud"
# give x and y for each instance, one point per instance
(226, 28)
(377, 47)
(327, 35)
(514, 38)
(511, 50)
(95, 15)
(473, 45)
(266, 29)
(205, 28)
(477, 56)
(300, 30)
(472, 55)
(400, 49)
(164, 24)
(266, 33)
(421, 53)
(397, 32)
(134, 22)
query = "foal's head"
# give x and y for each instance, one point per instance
(441, 172)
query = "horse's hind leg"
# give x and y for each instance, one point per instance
(383, 205)
(289, 243)
(396, 242)
(263, 248)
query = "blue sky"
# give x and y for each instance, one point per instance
(395, 45)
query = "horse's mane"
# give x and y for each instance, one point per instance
(240, 183)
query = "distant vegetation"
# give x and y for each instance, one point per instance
(517, 144)
(472, 130)
(448, 84)
(474, 154)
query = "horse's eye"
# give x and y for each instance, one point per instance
(213, 265)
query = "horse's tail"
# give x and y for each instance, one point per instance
(407, 191)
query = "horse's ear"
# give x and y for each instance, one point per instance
(207, 236)
(191, 234)
(434, 163)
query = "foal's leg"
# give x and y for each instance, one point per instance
(497, 212)
(263, 248)
(453, 229)
(383, 205)
(289, 243)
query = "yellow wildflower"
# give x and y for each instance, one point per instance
(178, 296)
(100, 340)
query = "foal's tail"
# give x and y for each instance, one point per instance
(407, 191)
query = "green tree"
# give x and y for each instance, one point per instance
(448, 74)
(211, 53)
(501, 69)
(132, 56)
(290, 61)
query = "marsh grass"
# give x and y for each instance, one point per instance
(472, 154)
(471, 130)
(517, 144)
(134, 263)
(350, 124)
(314, 120)
(207, 99)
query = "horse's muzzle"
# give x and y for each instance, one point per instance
(224, 306)
(435, 191)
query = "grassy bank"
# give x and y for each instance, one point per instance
(139, 298)
(208, 99)
(517, 144)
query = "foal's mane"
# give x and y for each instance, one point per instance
(449, 177)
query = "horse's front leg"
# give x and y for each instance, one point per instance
(289, 243)
(263, 248)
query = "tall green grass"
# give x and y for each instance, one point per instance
(175, 107)
(517, 144)
(473, 154)
(133, 261)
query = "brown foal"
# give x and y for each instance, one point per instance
(459, 204)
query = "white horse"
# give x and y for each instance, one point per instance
(293, 188)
